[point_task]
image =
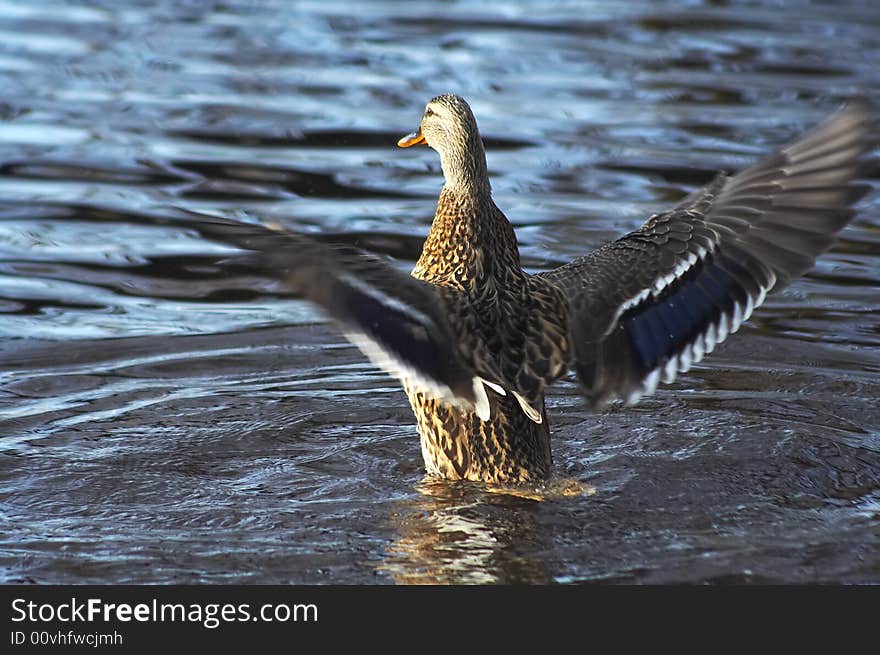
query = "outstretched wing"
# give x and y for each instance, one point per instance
(399, 322)
(659, 299)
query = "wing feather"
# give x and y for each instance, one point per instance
(400, 323)
(658, 300)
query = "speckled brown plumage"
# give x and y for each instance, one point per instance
(510, 328)
(476, 341)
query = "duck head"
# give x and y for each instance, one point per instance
(449, 127)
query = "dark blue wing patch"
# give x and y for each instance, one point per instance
(659, 328)
(412, 341)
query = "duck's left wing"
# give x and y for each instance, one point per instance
(652, 303)
(399, 322)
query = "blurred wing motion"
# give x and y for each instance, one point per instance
(659, 299)
(399, 322)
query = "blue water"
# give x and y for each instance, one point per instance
(167, 418)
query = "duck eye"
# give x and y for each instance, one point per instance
(429, 112)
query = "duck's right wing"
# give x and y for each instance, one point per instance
(654, 302)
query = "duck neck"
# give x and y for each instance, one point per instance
(464, 168)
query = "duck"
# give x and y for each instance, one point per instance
(476, 341)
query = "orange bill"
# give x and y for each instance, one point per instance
(411, 139)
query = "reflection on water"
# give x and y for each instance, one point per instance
(464, 540)
(167, 416)
(460, 533)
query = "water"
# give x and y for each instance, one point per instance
(165, 418)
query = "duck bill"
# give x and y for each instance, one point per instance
(412, 139)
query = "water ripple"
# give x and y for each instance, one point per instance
(166, 416)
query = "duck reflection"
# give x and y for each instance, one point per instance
(465, 533)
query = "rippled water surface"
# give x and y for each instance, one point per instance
(167, 417)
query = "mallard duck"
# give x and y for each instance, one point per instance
(476, 341)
